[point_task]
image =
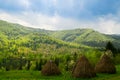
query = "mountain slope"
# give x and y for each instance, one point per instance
(87, 37)
(24, 35)
(76, 37)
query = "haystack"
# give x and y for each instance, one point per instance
(105, 65)
(50, 68)
(109, 53)
(83, 69)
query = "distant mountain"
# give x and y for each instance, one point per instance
(116, 36)
(74, 38)
(19, 29)
(28, 37)
(87, 37)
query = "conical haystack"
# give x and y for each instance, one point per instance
(105, 65)
(50, 68)
(83, 69)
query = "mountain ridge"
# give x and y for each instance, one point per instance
(87, 37)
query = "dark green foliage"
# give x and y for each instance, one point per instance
(67, 57)
(36, 65)
(40, 65)
(117, 59)
(75, 57)
(57, 61)
(28, 64)
(118, 50)
(110, 46)
(13, 63)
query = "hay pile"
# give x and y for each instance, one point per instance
(83, 69)
(109, 53)
(105, 65)
(50, 68)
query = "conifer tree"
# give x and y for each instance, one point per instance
(110, 46)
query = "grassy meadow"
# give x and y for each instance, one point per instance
(36, 75)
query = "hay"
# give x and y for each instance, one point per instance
(109, 53)
(50, 68)
(83, 69)
(105, 65)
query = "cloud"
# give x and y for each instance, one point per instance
(63, 14)
(13, 18)
(106, 24)
(80, 9)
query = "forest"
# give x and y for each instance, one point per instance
(24, 52)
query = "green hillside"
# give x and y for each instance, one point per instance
(17, 36)
(87, 37)
(78, 35)
(75, 38)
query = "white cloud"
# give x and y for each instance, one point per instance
(105, 24)
(12, 18)
(108, 24)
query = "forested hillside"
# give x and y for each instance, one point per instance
(75, 38)
(86, 37)
(24, 35)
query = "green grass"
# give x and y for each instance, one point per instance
(36, 75)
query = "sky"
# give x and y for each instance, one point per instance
(100, 15)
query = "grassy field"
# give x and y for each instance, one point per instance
(35, 75)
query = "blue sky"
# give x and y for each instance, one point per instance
(101, 15)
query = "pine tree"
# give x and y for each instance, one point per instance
(110, 46)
